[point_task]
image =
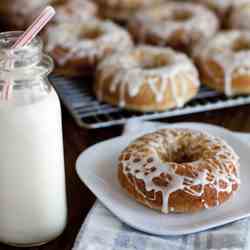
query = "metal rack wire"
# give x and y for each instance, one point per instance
(77, 96)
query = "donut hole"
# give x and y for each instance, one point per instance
(92, 34)
(184, 153)
(180, 156)
(176, 15)
(149, 61)
(153, 64)
(185, 157)
(241, 45)
(182, 16)
(59, 2)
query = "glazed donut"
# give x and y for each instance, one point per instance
(71, 10)
(240, 17)
(16, 14)
(179, 170)
(146, 78)
(179, 25)
(224, 62)
(78, 46)
(122, 10)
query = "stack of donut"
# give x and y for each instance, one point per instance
(156, 56)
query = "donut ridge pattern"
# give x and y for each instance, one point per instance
(201, 23)
(129, 75)
(112, 38)
(151, 160)
(220, 49)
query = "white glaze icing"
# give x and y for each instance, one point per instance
(71, 36)
(75, 10)
(129, 75)
(162, 21)
(213, 166)
(220, 50)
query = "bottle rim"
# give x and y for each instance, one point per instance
(31, 56)
(13, 36)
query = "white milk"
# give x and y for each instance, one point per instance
(32, 180)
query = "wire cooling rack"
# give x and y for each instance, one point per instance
(77, 96)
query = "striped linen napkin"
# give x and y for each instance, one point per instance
(103, 231)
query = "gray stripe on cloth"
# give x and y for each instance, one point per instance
(209, 240)
(197, 242)
(184, 243)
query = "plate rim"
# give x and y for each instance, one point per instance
(178, 232)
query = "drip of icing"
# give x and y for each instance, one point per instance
(129, 76)
(220, 50)
(70, 36)
(139, 166)
(202, 22)
(177, 100)
(152, 83)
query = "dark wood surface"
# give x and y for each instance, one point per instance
(80, 199)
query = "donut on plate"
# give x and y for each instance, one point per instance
(78, 46)
(224, 62)
(122, 10)
(73, 10)
(179, 25)
(179, 170)
(146, 78)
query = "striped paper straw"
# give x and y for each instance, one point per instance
(6, 91)
(28, 35)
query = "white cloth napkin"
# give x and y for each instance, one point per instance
(103, 231)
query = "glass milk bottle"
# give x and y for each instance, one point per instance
(33, 207)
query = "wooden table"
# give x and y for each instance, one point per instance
(80, 199)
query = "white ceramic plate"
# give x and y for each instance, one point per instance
(97, 168)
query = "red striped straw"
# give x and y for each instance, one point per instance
(28, 35)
